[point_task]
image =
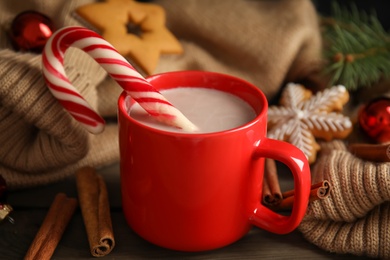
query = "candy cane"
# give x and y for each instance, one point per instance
(117, 67)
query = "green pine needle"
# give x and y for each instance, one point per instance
(357, 48)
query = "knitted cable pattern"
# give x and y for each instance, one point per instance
(355, 218)
(40, 142)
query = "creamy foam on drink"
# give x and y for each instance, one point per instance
(209, 109)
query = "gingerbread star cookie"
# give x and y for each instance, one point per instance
(302, 117)
(137, 30)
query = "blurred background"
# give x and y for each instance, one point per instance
(380, 7)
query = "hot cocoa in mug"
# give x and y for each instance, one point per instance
(202, 190)
(209, 109)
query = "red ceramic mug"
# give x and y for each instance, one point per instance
(194, 192)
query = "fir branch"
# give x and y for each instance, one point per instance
(357, 48)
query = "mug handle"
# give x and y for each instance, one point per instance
(295, 159)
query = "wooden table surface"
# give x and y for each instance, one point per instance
(31, 205)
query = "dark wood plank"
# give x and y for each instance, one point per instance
(31, 206)
(15, 240)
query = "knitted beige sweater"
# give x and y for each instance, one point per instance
(264, 42)
(355, 218)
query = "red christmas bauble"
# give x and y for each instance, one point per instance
(5, 209)
(3, 190)
(374, 118)
(30, 31)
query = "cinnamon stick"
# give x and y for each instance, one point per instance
(95, 208)
(52, 228)
(272, 194)
(371, 152)
(318, 191)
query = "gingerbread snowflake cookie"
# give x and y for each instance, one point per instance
(303, 117)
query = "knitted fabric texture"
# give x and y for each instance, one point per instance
(355, 218)
(265, 42)
(40, 142)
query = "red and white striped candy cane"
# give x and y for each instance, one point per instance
(116, 66)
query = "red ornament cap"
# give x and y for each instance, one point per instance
(374, 118)
(30, 31)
